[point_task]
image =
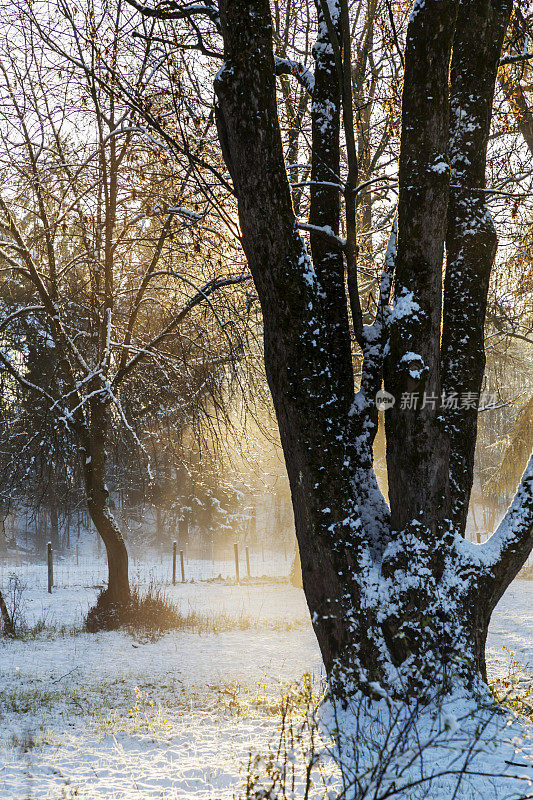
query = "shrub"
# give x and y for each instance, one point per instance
(152, 611)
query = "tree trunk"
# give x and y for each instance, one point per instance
(3, 538)
(402, 600)
(470, 238)
(9, 627)
(94, 452)
(416, 445)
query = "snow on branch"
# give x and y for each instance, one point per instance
(380, 179)
(11, 370)
(185, 212)
(120, 410)
(202, 294)
(513, 539)
(20, 313)
(331, 184)
(304, 76)
(59, 333)
(169, 9)
(519, 58)
(325, 230)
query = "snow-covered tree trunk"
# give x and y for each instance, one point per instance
(470, 238)
(396, 598)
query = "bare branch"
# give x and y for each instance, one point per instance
(168, 9)
(203, 294)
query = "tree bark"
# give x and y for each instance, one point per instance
(325, 200)
(94, 453)
(471, 238)
(9, 627)
(416, 444)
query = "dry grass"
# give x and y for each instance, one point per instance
(152, 613)
(515, 689)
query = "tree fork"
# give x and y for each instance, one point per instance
(404, 606)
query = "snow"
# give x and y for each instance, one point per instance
(404, 306)
(185, 212)
(447, 749)
(511, 629)
(115, 715)
(517, 521)
(441, 167)
(417, 8)
(305, 75)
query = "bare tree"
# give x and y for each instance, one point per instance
(94, 255)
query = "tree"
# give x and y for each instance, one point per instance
(397, 596)
(91, 257)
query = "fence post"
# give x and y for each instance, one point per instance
(182, 567)
(50, 567)
(77, 555)
(248, 562)
(174, 551)
(236, 552)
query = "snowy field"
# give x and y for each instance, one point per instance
(113, 715)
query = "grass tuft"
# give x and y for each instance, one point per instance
(152, 613)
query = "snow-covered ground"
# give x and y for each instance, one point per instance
(112, 715)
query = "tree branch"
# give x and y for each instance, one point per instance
(205, 292)
(168, 9)
(509, 546)
(304, 76)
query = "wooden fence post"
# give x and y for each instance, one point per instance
(182, 567)
(248, 562)
(174, 551)
(50, 567)
(236, 552)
